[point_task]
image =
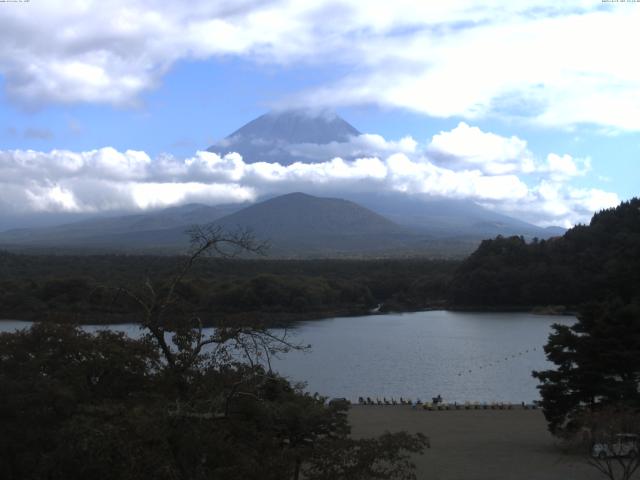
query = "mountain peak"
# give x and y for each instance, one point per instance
(298, 126)
(296, 196)
(269, 137)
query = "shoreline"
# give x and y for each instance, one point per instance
(561, 310)
(290, 319)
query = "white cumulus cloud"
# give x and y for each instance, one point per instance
(464, 163)
(551, 203)
(357, 146)
(470, 146)
(562, 167)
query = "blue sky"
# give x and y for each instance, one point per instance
(520, 96)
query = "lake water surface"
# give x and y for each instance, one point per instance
(482, 357)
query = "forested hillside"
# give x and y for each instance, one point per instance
(83, 288)
(591, 262)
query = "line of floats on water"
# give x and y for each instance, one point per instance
(438, 404)
(497, 362)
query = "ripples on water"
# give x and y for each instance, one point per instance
(482, 357)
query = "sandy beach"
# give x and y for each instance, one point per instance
(477, 444)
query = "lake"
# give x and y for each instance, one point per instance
(463, 356)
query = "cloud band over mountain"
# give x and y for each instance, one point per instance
(496, 171)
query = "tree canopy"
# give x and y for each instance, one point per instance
(597, 365)
(67, 288)
(591, 262)
(176, 403)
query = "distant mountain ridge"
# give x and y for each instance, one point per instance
(98, 232)
(447, 217)
(295, 225)
(289, 136)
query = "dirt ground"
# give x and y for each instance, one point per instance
(478, 444)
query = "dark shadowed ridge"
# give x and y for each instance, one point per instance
(298, 224)
(297, 214)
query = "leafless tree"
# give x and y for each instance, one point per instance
(184, 344)
(614, 433)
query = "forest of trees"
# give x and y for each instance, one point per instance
(591, 262)
(73, 288)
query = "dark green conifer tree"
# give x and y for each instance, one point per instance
(597, 364)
